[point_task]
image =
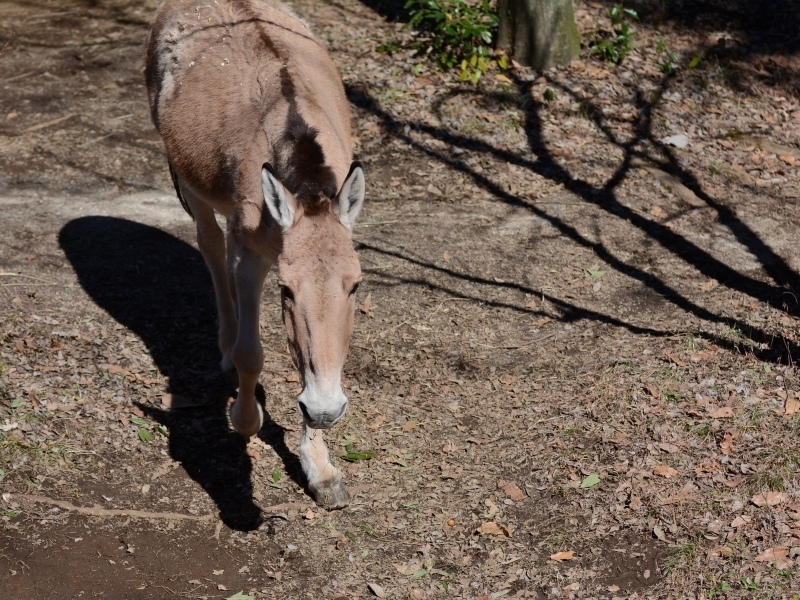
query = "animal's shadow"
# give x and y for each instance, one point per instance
(158, 287)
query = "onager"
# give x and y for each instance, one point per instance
(256, 126)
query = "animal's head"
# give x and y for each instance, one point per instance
(318, 273)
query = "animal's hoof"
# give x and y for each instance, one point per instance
(246, 428)
(330, 494)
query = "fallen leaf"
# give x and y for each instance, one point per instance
(542, 321)
(377, 422)
(658, 212)
(222, 587)
(791, 407)
(741, 520)
(613, 588)
(726, 445)
(511, 490)
(145, 488)
(115, 369)
(434, 190)
(562, 556)
(675, 359)
(769, 499)
(724, 412)
(635, 504)
(446, 256)
(659, 533)
(681, 496)
(721, 551)
(240, 596)
(366, 306)
(700, 356)
(771, 554)
(219, 572)
(789, 159)
(410, 425)
(19, 344)
(665, 471)
(590, 481)
(377, 590)
(492, 528)
(667, 447)
(708, 285)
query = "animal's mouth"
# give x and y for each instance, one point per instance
(324, 420)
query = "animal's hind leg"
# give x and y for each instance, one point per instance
(211, 242)
(324, 479)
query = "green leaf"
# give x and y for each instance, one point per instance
(445, 585)
(364, 553)
(350, 536)
(695, 62)
(160, 429)
(366, 529)
(353, 456)
(590, 481)
(276, 475)
(138, 421)
(2, 473)
(420, 573)
(240, 596)
(549, 95)
(145, 435)
(595, 271)
(17, 403)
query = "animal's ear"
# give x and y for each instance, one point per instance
(351, 197)
(280, 203)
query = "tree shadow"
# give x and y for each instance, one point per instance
(158, 287)
(778, 295)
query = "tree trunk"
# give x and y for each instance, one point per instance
(538, 33)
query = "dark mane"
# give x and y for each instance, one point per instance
(303, 170)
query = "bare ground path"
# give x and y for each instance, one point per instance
(552, 293)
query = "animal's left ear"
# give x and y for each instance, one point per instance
(351, 197)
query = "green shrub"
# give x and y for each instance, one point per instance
(454, 33)
(617, 45)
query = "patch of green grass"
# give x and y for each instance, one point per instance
(771, 481)
(672, 396)
(570, 430)
(682, 556)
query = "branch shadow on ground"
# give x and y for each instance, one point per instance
(158, 287)
(604, 198)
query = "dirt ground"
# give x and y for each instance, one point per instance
(573, 357)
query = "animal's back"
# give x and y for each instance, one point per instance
(228, 79)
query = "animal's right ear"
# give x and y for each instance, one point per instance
(280, 203)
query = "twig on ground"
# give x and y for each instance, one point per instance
(47, 123)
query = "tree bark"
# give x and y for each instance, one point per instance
(538, 33)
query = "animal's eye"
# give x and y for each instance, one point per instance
(287, 293)
(355, 288)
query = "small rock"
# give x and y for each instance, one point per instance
(679, 141)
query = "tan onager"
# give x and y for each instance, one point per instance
(257, 128)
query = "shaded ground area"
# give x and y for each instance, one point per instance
(574, 352)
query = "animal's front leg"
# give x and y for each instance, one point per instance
(324, 479)
(247, 352)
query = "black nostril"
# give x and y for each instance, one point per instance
(304, 410)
